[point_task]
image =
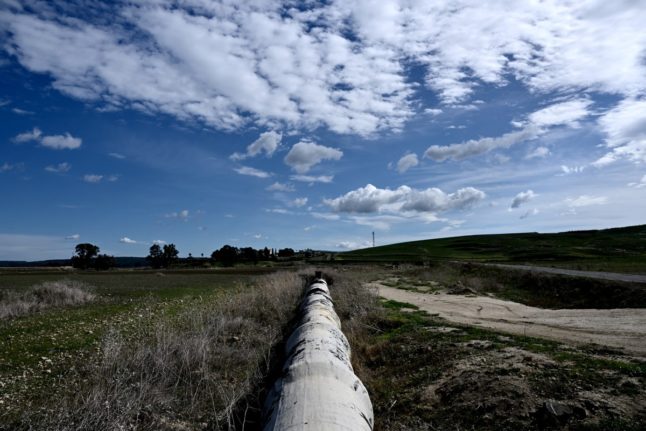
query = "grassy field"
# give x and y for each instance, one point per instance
(45, 355)
(619, 250)
(197, 350)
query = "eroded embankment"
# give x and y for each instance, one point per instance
(616, 328)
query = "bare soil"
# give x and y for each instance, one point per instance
(616, 328)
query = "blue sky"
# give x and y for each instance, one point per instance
(310, 125)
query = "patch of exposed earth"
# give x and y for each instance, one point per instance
(615, 328)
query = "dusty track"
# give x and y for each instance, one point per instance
(617, 328)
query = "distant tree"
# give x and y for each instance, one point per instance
(103, 262)
(286, 252)
(155, 256)
(169, 254)
(227, 255)
(266, 253)
(85, 254)
(249, 254)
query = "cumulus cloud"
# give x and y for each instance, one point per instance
(475, 147)
(406, 162)
(73, 237)
(353, 245)
(54, 142)
(586, 200)
(253, 172)
(325, 216)
(126, 240)
(92, 178)
(522, 198)
(571, 169)
(280, 187)
(6, 167)
(625, 130)
(337, 64)
(304, 155)
(298, 202)
(59, 168)
(313, 178)
(33, 135)
(640, 184)
(529, 213)
(370, 199)
(268, 142)
(538, 153)
(159, 242)
(61, 142)
(180, 215)
(567, 114)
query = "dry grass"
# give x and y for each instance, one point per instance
(200, 369)
(46, 295)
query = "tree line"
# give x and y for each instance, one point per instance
(88, 257)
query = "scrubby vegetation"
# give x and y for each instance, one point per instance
(55, 364)
(42, 296)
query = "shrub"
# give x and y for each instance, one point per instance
(46, 295)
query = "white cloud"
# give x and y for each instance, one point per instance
(325, 216)
(571, 169)
(538, 123)
(304, 155)
(117, 156)
(353, 245)
(625, 129)
(474, 147)
(230, 63)
(586, 200)
(59, 168)
(312, 178)
(298, 202)
(21, 111)
(640, 184)
(268, 142)
(180, 215)
(34, 135)
(529, 213)
(522, 198)
(92, 178)
(257, 236)
(61, 142)
(55, 142)
(406, 162)
(126, 240)
(74, 237)
(370, 199)
(253, 172)
(433, 111)
(159, 242)
(6, 167)
(567, 113)
(539, 152)
(280, 187)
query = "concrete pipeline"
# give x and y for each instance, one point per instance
(318, 389)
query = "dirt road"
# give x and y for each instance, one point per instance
(618, 328)
(614, 276)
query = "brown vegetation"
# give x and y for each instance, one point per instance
(196, 370)
(42, 296)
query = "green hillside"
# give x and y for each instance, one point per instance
(609, 249)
